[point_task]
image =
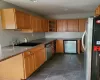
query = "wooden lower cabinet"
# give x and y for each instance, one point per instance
(21, 66)
(29, 64)
(59, 46)
(40, 58)
(33, 60)
(12, 68)
(78, 46)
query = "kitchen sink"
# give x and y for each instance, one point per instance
(28, 44)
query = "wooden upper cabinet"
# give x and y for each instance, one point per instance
(27, 21)
(8, 19)
(15, 19)
(39, 26)
(19, 19)
(73, 25)
(34, 23)
(97, 11)
(70, 26)
(43, 24)
(46, 25)
(61, 25)
(82, 25)
(65, 25)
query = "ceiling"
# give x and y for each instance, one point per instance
(56, 7)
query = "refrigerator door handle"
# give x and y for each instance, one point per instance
(83, 40)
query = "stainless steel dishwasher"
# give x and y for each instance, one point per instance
(48, 51)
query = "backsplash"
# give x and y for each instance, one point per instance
(6, 36)
(63, 35)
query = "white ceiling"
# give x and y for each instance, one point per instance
(56, 7)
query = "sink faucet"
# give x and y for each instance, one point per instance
(15, 41)
(25, 40)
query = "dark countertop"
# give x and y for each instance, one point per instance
(9, 51)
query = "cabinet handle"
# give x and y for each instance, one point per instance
(29, 52)
(32, 53)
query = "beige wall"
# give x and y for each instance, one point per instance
(6, 36)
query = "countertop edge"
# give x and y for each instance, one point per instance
(25, 50)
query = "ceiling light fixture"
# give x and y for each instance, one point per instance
(34, 0)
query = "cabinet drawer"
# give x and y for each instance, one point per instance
(31, 51)
(37, 48)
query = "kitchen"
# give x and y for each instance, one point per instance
(36, 47)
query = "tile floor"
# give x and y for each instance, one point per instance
(61, 67)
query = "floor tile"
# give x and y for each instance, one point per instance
(61, 67)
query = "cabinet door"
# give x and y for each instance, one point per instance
(65, 25)
(45, 25)
(82, 25)
(39, 25)
(37, 59)
(32, 63)
(59, 46)
(40, 58)
(19, 19)
(70, 26)
(73, 25)
(34, 23)
(59, 25)
(27, 64)
(43, 56)
(8, 19)
(27, 21)
(79, 46)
